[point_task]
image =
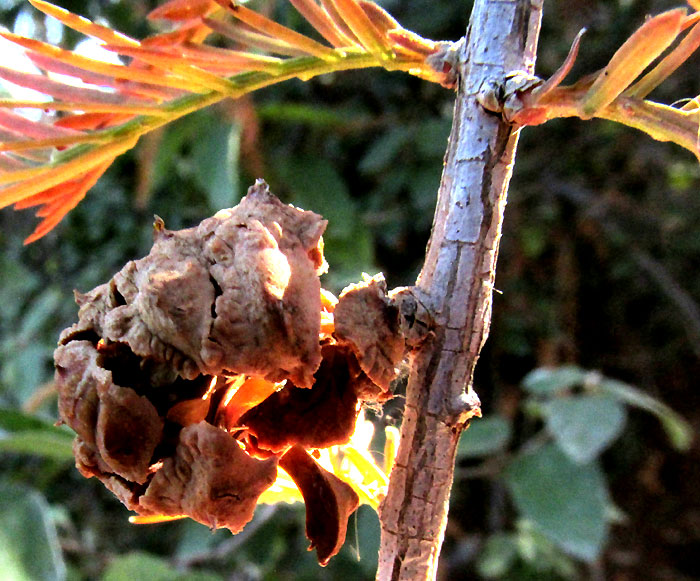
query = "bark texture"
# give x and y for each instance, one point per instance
(455, 286)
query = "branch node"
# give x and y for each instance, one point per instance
(508, 96)
(447, 61)
(491, 95)
(415, 320)
(463, 408)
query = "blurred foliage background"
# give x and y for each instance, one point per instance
(572, 474)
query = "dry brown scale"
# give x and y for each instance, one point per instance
(145, 376)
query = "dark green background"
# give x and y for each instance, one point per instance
(598, 268)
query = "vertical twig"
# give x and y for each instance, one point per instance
(456, 286)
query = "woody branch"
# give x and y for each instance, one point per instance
(456, 285)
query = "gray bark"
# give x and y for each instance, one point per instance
(455, 286)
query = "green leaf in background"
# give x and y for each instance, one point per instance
(27, 368)
(533, 239)
(313, 115)
(315, 185)
(680, 432)
(583, 426)
(173, 140)
(44, 444)
(427, 140)
(195, 539)
(542, 556)
(566, 501)
(366, 524)
(22, 433)
(349, 262)
(205, 148)
(14, 420)
(497, 556)
(384, 150)
(431, 137)
(139, 565)
(484, 437)
(549, 380)
(42, 309)
(23, 346)
(198, 576)
(215, 158)
(29, 549)
(18, 282)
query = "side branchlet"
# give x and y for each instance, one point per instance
(618, 92)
